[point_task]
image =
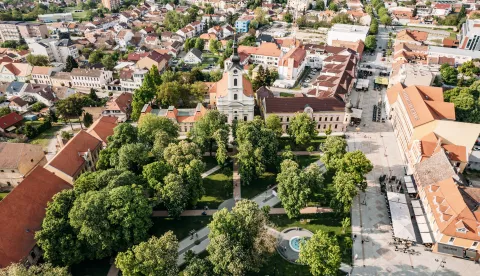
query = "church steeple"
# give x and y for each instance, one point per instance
(235, 57)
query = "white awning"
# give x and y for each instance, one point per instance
(407, 179)
(396, 197)
(411, 190)
(409, 185)
(423, 227)
(356, 113)
(416, 203)
(418, 211)
(426, 238)
(420, 219)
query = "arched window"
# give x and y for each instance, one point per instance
(235, 96)
(235, 83)
(245, 118)
(331, 119)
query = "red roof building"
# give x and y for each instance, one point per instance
(10, 121)
(21, 214)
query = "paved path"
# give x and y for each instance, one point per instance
(273, 211)
(212, 170)
(236, 182)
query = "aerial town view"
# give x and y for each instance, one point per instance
(239, 137)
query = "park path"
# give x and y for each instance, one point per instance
(273, 211)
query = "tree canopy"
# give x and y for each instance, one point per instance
(204, 130)
(302, 128)
(321, 253)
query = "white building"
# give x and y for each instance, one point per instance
(194, 56)
(458, 55)
(292, 64)
(233, 94)
(90, 78)
(132, 79)
(470, 35)
(55, 50)
(346, 32)
(55, 17)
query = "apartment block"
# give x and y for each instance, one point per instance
(470, 35)
(111, 4)
(55, 50)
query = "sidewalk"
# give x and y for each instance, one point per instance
(236, 182)
(273, 211)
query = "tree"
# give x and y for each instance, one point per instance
(213, 46)
(203, 130)
(29, 131)
(45, 269)
(371, 42)
(132, 157)
(57, 238)
(157, 256)
(71, 107)
(239, 240)
(199, 44)
(341, 18)
(70, 64)
(198, 267)
(38, 60)
(146, 92)
(37, 106)
(87, 119)
(123, 133)
(174, 194)
(449, 74)
(373, 27)
(257, 148)
(356, 162)
(209, 9)
(288, 17)
(469, 69)
(95, 57)
(333, 150)
(294, 188)
(124, 213)
(320, 5)
(386, 20)
(5, 111)
(333, 7)
(345, 191)
(345, 224)
(185, 158)
(155, 173)
(273, 122)
(108, 62)
(150, 124)
(221, 139)
(302, 129)
(321, 253)
(260, 16)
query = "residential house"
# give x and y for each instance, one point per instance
(119, 107)
(111, 4)
(123, 38)
(438, 55)
(18, 104)
(198, 27)
(79, 155)
(184, 117)
(30, 30)
(242, 24)
(90, 78)
(267, 54)
(154, 58)
(441, 9)
(206, 39)
(15, 88)
(317, 53)
(21, 214)
(62, 92)
(132, 79)
(18, 160)
(194, 56)
(152, 40)
(61, 79)
(357, 46)
(41, 92)
(10, 71)
(9, 122)
(411, 36)
(42, 74)
(215, 18)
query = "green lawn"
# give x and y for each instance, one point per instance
(218, 188)
(91, 268)
(43, 138)
(3, 195)
(259, 185)
(180, 227)
(287, 141)
(327, 222)
(286, 95)
(276, 265)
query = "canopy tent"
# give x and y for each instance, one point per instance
(408, 179)
(426, 238)
(411, 190)
(418, 211)
(401, 220)
(420, 219)
(416, 203)
(356, 113)
(409, 185)
(381, 80)
(362, 83)
(423, 227)
(396, 197)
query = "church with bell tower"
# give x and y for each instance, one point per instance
(233, 95)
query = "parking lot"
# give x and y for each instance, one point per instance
(309, 77)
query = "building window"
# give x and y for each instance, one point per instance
(331, 119)
(338, 118)
(288, 119)
(235, 82)
(235, 97)
(245, 118)
(451, 240)
(319, 119)
(324, 126)
(281, 120)
(335, 126)
(474, 245)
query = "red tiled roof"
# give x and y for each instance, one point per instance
(9, 120)
(103, 127)
(69, 159)
(22, 212)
